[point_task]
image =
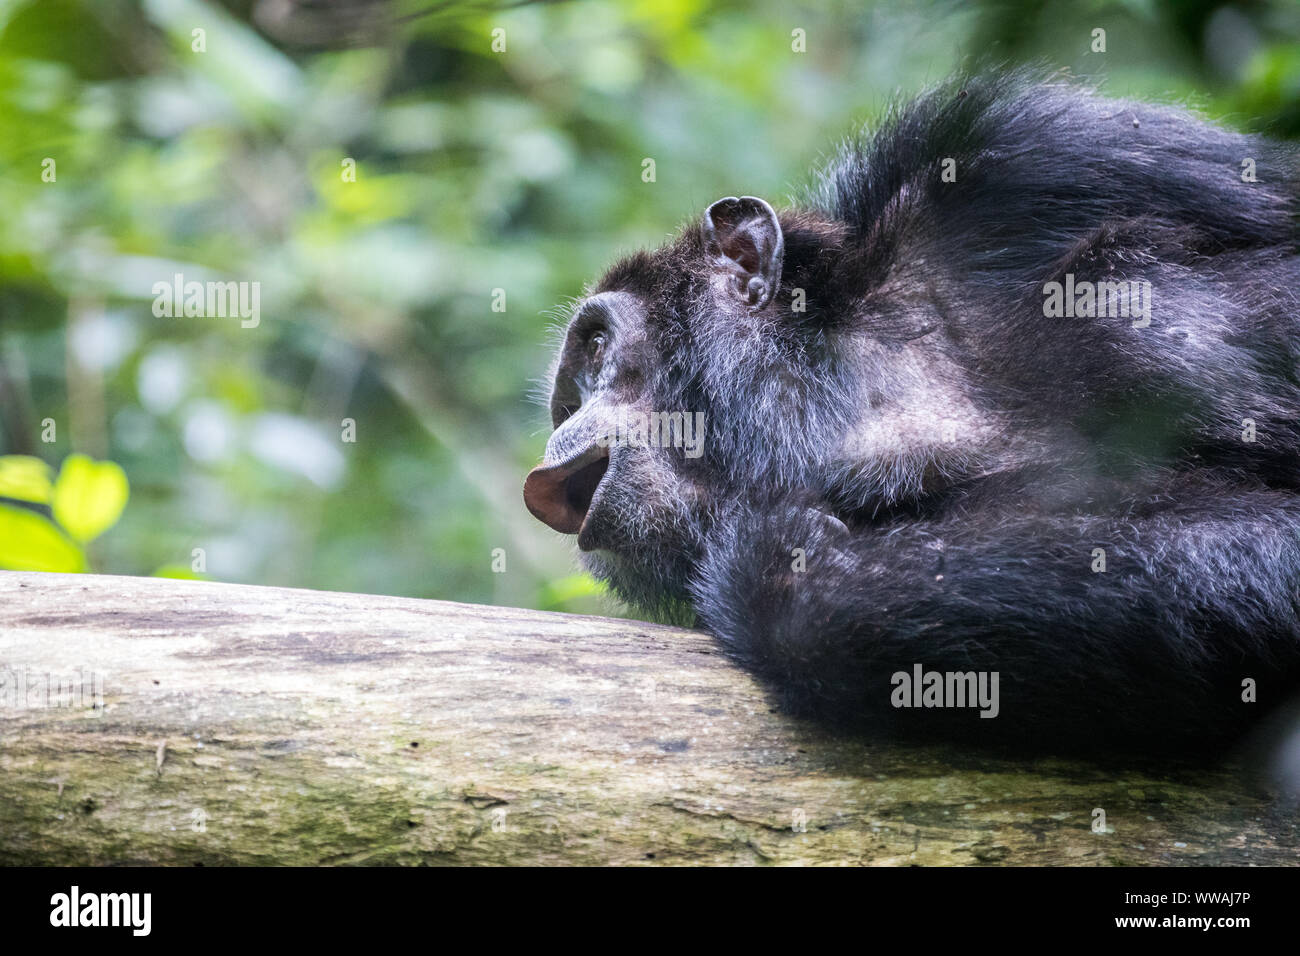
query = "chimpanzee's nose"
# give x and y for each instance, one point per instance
(559, 495)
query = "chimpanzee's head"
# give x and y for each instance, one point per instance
(692, 377)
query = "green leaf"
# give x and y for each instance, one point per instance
(30, 542)
(181, 572)
(89, 496)
(25, 478)
(563, 590)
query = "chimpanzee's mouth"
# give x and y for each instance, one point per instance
(582, 486)
(561, 495)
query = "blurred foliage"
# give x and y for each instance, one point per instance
(82, 503)
(135, 149)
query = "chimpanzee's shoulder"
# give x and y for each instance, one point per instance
(1001, 155)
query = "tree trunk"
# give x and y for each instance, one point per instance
(156, 721)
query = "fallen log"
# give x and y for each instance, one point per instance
(151, 721)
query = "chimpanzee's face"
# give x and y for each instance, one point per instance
(644, 399)
(610, 473)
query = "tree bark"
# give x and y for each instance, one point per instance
(150, 721)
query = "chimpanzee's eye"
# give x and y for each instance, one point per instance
(596, 346)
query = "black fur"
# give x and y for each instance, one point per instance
(948, 457)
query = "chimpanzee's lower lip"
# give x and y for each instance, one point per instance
(560, 494)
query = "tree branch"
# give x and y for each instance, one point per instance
(155, 721)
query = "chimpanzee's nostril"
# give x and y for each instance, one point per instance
(560, 495)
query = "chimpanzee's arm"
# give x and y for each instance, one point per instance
(1201, 590)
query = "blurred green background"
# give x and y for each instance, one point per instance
(221, 155)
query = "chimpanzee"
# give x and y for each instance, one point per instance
(1002, 420)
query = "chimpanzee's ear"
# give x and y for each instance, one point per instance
(743, 242)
